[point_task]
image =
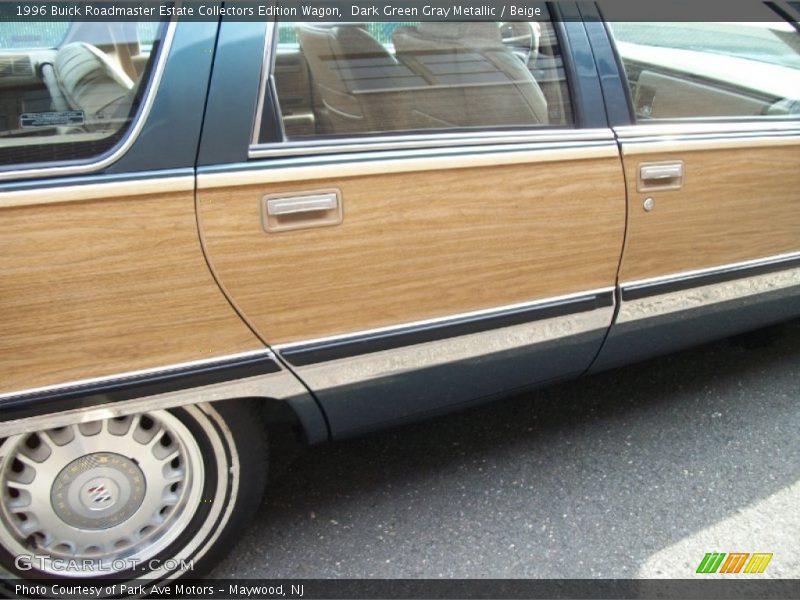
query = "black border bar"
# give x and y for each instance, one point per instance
(731, 588)
(381, 10)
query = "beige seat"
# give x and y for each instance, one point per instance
(90, 82)
(354, 76)
(474, 79)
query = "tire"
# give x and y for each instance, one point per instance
(142, 497)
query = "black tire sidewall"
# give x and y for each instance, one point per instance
(237, 425)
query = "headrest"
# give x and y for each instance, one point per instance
(88, 78)
(461, 30)
(328, 27)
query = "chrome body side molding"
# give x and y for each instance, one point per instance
(684, 291)
(437, 330)
(664, 314)
(387, 376)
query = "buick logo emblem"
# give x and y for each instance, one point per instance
(98, 496)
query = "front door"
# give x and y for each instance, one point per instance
(711, 161)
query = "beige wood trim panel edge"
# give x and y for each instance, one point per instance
(710, 127)
(96, 191)
(359, 167)
(638, 147)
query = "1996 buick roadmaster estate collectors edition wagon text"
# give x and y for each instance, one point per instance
(209, 225)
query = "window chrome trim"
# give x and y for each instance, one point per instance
(391, 140)
(267, 77)
(423, 141)
(458, 156)
(716, 129)
(125, 143)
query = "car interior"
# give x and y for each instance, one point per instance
(685, 70)
(86, 87)
(660, 92)
(339, 79)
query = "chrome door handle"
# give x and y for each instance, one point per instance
(319, 208)
(660, 176)
(302, 204)
(650, 172)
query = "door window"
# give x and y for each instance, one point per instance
(701, 70)
(70, 91)
(345, 79)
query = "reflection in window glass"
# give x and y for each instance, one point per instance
(69, 99)
(362, 78)
(382, 32)
(147, 32)
(32, 35)
(686, 70)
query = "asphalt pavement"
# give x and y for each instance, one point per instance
(637, 472)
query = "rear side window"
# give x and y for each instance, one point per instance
(347, 79)
(69, 91)
(702, 70)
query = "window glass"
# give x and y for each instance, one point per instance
(31, 35)
(69, 91)
(371, 78)
(696, 70)
(147, 33)
(287, 34)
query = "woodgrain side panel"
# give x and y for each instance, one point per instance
(101, 287)
(736, 204)
(418, 245)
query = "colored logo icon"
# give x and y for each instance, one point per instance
(734, 562)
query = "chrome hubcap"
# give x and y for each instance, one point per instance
(98, 491)
(95, 493)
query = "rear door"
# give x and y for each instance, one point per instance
(414, 215)
(101, 271)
